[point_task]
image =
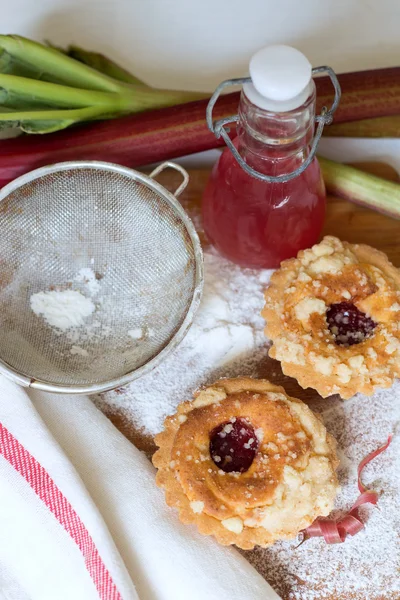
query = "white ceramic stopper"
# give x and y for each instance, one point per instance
(281, 79)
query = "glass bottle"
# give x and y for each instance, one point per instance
(251, 221)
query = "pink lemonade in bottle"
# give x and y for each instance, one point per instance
(257, 223)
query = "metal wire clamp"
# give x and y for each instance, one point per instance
(219, 128)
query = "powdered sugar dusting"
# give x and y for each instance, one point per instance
(88, 278)
(227, 339)
(64, 309)
(367, 565)
(227, 327)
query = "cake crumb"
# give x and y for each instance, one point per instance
(197, 506)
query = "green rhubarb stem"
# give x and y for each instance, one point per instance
(102, 63)
(146, 98)
(79, 114)
(60, 95)
(133, 99)
(54, 63)
(361, 188)
(369, 128)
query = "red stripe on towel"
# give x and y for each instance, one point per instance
(43, 485)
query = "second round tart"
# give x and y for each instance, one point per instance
(247, 463)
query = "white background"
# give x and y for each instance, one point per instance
(196, 43)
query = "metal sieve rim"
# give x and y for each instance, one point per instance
(150, 182)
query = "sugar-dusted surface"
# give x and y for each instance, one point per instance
(367, 566)
(227, 330)
(227, 340)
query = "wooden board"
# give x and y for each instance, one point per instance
(344, 220)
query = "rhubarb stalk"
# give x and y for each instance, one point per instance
(361, 188)
(367, 128)
(132, 141)
(365, 94)
(102, 63)
(36, 79)
(31, 73)
(152, 136)
(19, 53)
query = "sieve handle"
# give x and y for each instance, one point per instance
(172, 165)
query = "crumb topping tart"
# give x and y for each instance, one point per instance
(333, 315)
(247, 463)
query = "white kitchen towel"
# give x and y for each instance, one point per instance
(82, 518)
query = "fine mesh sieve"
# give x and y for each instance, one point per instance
(133, 236)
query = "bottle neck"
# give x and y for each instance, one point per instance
(275, 142)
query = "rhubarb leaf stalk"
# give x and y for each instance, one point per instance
(361, 188)
(43, 89)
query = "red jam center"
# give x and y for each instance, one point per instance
(348, 325)
(233, 445)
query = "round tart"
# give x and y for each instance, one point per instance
(247, 463)
(333, 315)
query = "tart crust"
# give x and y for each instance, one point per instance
(297, 299)
(291, 481)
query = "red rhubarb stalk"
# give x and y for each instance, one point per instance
(365, 94)
(138, 140)
(132, 141)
